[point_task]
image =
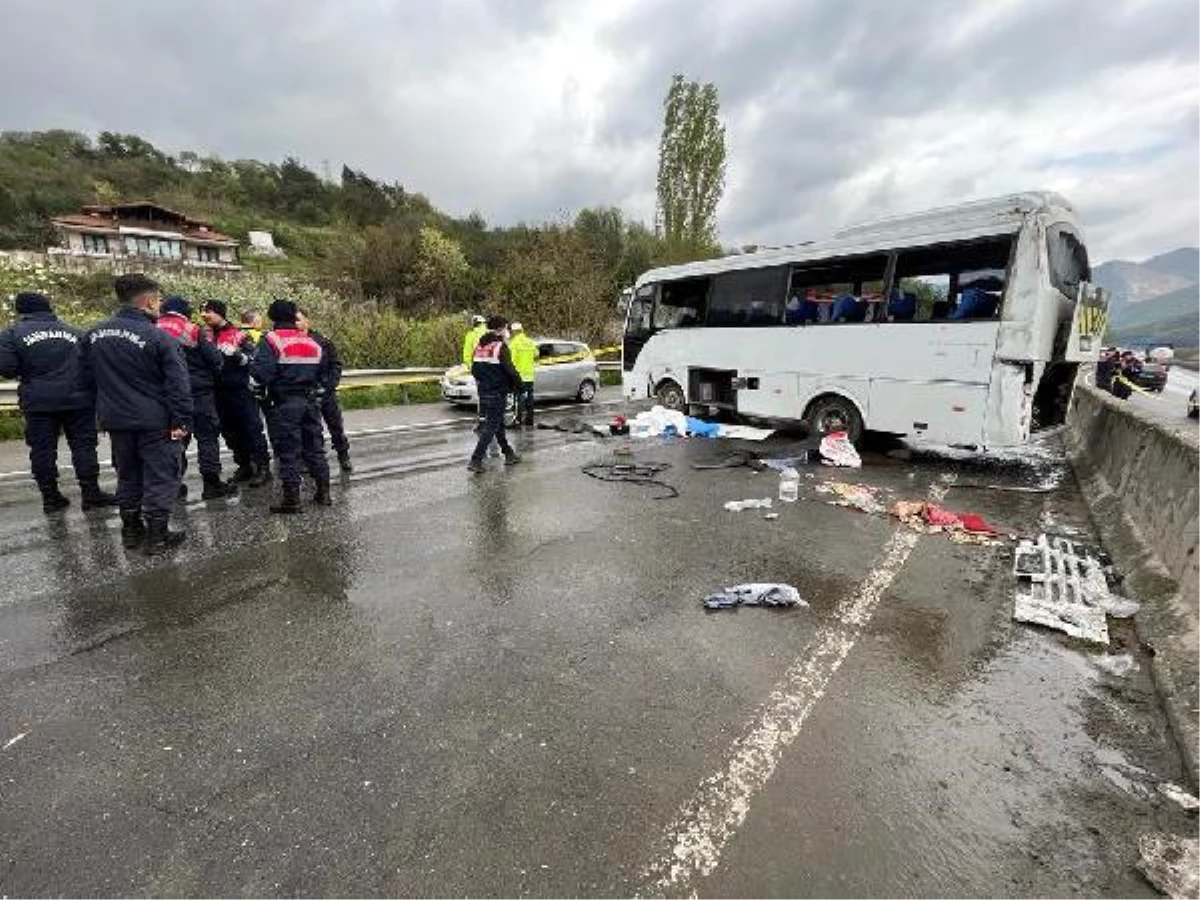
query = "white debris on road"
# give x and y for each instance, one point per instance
(1065, 587)
(14, 740)
(1179, 795)
(1170, 863)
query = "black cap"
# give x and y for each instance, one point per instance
(177, 304)
(282, 312)
(31, 302)
(215, 306)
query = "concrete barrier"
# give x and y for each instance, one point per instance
(1140, 477)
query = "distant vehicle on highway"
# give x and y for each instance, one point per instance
(1150, 376)
(566, 370)
(961, 325)
(1193, 410)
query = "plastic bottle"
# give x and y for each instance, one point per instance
(789, 485)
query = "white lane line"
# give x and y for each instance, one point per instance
(703, 826)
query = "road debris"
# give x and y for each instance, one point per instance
(739, 505)
(1066, 587)
(644, 473)
(858, 496)
(755, 594)
(1170, 863)
(14, 740)
(1119, 665)
(836, 450)
(1174, 792)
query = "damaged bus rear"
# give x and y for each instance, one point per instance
(962, 325)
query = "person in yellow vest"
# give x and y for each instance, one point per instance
(478, 330)
(524, 356)
(252, 325)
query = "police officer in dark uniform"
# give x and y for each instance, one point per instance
(43, 353)
(204, 367)
(495, 378)
(237, 410)
(289, 367)
(144, 400)
(331, 410)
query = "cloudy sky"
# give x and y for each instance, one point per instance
(837, 110)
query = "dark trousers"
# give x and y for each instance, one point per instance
(207, 430)
(242, 426)
(148, 470)
(491, 408)
(41, 435)
(525, 402)
(331, 412)
(295, 426)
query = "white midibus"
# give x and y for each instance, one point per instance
(963, 325)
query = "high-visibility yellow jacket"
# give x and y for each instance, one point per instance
(255, 334)
(469, 342)
(524, 354)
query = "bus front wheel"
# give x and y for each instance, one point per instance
(670, 395)
(833, 413)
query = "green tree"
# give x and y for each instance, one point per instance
(691, 169)
(440, 268)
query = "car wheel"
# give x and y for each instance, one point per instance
(587, 391)
(670, 395)
(834, 413)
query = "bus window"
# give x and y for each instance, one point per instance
(681, 304)
(641, 308)
(1068, 260)
(955, 281)
(752, 297)
(831, 290)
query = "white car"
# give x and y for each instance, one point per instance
(566, 370)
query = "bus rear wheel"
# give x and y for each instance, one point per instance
(670, 395)
(833, 413)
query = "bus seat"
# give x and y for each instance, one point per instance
(975, 303)
(902, 306)
(848, 308)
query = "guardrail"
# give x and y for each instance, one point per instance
(351, 378)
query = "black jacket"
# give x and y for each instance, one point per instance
(494, 372)
(237, 350)
(43, 353)
(137, 373)
(331, 363)
(288, 362)
(202, 357)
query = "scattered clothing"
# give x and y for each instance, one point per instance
(754, 595)
(745, 432)
(739, 505)
(700, 428)
(836, 450)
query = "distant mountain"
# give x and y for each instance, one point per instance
(1154, 301)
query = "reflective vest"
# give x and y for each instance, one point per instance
(524, 355)
(229, 336)
(184, 331)
(255, 334)
(488, 353)
(293, 347)
(470, 341)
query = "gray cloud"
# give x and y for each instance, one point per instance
(529, 110)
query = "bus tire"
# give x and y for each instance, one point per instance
(670, 394)
(833, 412)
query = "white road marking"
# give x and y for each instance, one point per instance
(704, 825)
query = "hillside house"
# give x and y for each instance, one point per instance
(144, 230)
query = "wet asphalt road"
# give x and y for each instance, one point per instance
(506, 686)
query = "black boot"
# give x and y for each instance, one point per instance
(133, 530)
(243, 473)
(511, 458)
(344, 460)
(93, 497)
(289, 503)
(321, 497)
(216, 489)
(159, 537)
(262, 475)
(52, 498)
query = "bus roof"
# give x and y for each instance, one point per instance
(965, 221)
